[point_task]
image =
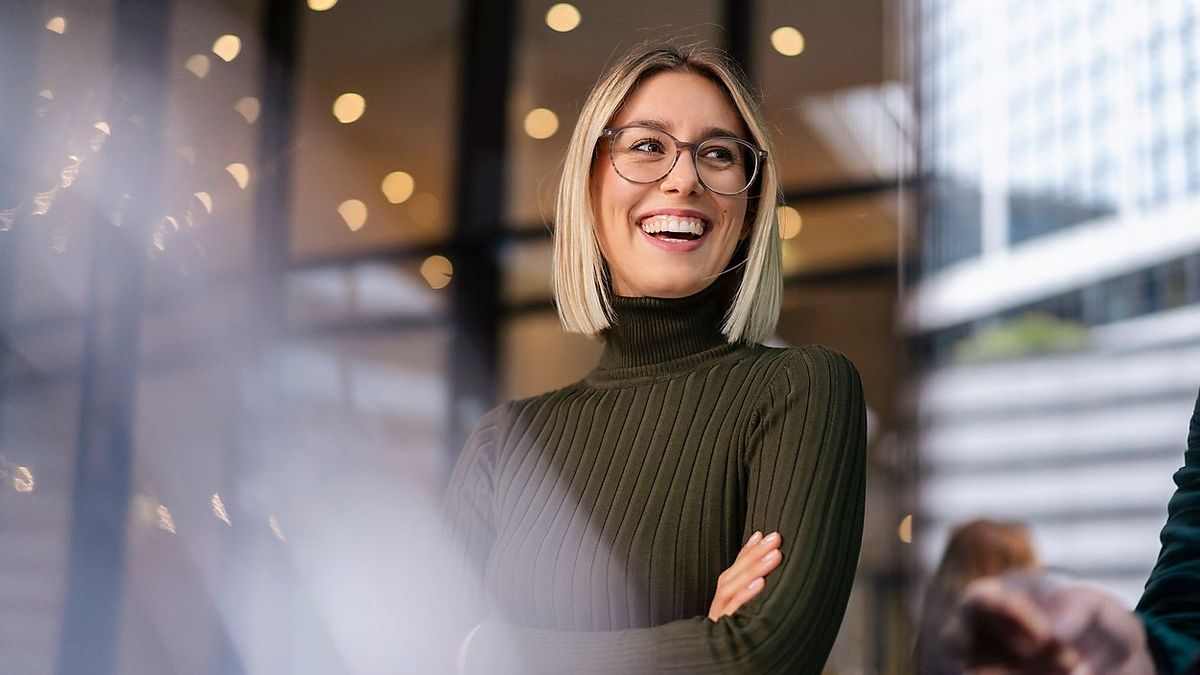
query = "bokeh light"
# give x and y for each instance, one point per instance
(563, 17)
(790, 222)
(23, 479)
(198, 65)
(787, 40)
(249, 108)
(165, 521)
(57, 25)
(70, 171)
(349, 107)
(227, 47)
(218, 507)
(205, 201)
(906, 529)
(437, 271)
(398, 187)
(541, 123)
(321, 5)
(240, 173)
(354, 212)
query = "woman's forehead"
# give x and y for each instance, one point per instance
(680, 102)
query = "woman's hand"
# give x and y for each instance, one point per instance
(1018, 625)
(746, 576)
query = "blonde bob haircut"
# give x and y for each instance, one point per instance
(581, 281)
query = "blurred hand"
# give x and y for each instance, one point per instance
(747, 575)
(1020, 625)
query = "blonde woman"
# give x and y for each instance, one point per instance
(695, 503)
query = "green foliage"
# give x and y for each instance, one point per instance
(1031, 334)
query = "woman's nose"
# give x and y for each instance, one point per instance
(683, 177)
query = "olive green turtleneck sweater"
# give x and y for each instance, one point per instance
(595, 519)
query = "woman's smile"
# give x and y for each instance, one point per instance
(676, 230)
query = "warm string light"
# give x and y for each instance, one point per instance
(437, 271)
(787, 40)
(198, 65)
(354, 213)
(790, 222)
(240, 173)
(349, 107)
(541, 123)
(249, 108)
(227, 47)
(398, 186)
(563, 17)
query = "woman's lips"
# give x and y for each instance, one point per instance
(679, 246)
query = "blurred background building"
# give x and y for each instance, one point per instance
(264, 263)
(1058, 305)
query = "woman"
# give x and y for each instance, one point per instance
(600, 525)
(976, 549)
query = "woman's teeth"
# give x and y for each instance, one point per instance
(673, 227)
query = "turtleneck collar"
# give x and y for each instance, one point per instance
(663, 336)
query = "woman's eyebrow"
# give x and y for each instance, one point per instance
(707, 132)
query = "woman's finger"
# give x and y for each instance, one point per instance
(744, 578)
(742, 596)
(747, 565)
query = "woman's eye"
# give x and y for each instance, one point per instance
(647, 145)
(720, 154)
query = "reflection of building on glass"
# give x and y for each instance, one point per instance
(1058, 309)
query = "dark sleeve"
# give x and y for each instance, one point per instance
(1170, 605)
(805, 467)
(455, 562)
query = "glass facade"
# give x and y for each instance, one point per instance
(234, 243)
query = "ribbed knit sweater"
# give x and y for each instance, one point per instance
(592, 521)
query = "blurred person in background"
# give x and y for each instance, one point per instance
(976, 549)
(1027, 626)
(695, 503)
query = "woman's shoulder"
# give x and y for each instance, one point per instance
(510, 408)
(791, 371)
(817, 358)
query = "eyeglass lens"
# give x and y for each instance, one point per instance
(645, 155)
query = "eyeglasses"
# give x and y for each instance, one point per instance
(725, 165)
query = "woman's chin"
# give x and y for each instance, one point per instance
(669, 288)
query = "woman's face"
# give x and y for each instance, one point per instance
(690, 107)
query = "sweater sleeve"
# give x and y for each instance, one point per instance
(456, 560)
(1170, 605)
(805, 473)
